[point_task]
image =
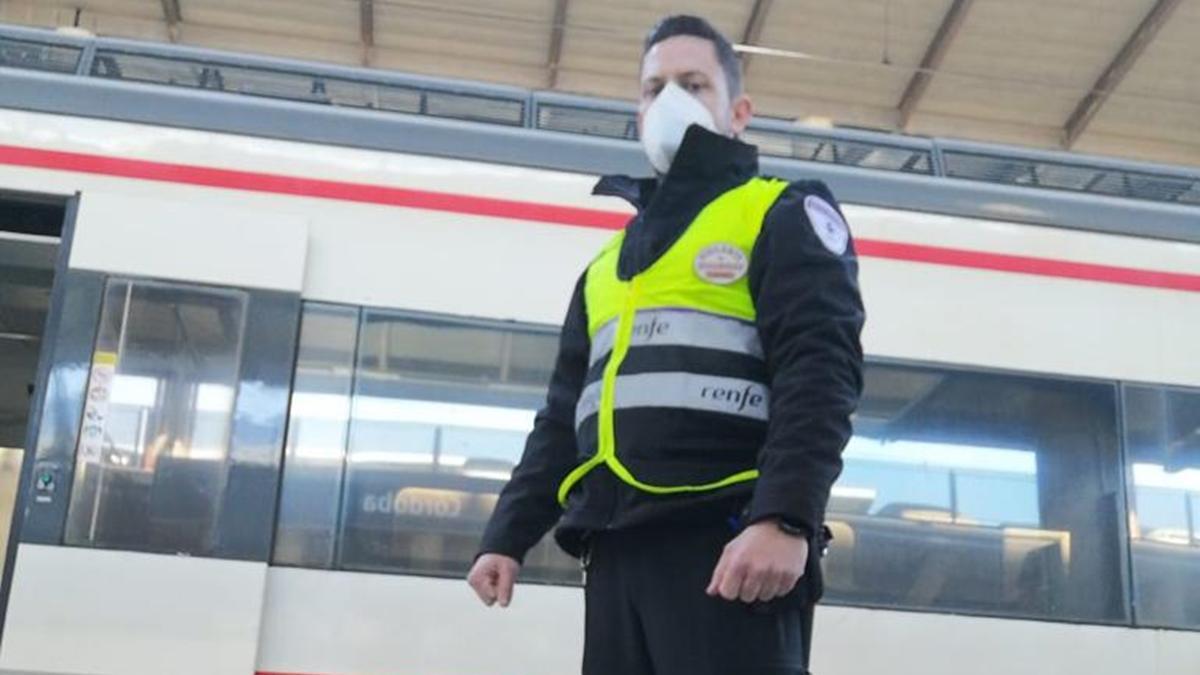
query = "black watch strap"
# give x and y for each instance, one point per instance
(792, 529)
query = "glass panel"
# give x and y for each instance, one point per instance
(1162, 431)
(977, 492)
(152, 451)
(316, 441)
(307, 87)
(1075, 177)
(593, 122)
(32, 55)
(439, 418)
(819, 149)
(465, 106)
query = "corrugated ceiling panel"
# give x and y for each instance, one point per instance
(133, 8)
(871, 84)
(606, 37)
(334, 20)
(516, 34)
(863, 31)
(1169, 68)
(1028, 60)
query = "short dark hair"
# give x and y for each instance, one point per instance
(687, 24)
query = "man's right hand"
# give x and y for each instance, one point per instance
(492, 576)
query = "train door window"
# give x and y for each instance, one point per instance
(29, 242)
(318, 424)
(1162, 432)
(151, 460)
(439, 416)
(980, 492)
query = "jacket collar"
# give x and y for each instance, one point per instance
(704, 157)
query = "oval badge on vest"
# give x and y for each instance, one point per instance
(721, 263)
(827, 223)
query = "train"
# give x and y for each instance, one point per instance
(294, 336)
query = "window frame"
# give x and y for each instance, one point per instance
(364, 313)
(1137, 619)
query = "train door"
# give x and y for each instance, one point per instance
(151, 478)
(31, 231)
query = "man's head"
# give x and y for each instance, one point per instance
(690, 52)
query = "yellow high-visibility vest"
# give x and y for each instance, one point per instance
(695, 297)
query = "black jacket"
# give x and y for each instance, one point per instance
(809, 315)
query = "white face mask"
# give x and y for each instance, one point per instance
(666, 120)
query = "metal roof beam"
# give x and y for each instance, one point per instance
(366, 27)
(934, 55)
(173, 15)
(557, 29)
(754, 27)
(1116, 70)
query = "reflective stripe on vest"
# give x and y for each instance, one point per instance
(670, 304)
(681, 327)
(709, 393)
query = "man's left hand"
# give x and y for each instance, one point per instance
(761, 563)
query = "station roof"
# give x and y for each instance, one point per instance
(1112, 77)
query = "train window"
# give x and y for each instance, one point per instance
(1162, 432)
(318, 424)
(151, 461)
(979, 492)
(438, 415)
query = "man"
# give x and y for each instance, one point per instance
(708, 368)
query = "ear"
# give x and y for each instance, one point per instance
(742, 111)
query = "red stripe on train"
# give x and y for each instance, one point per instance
(1045, 267)
(547, 213)
(310, 187)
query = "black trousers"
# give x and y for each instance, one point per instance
(648, 614)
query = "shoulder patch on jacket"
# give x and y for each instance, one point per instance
(827, 223)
